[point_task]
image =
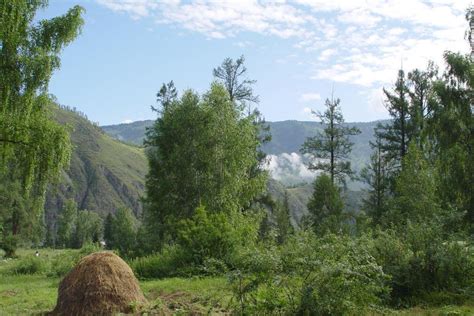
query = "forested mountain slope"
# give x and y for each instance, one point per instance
(104, 174)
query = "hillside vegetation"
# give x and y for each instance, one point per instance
(104, 174)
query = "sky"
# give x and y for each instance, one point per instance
(300, 51)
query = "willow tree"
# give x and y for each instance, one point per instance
(33, 148)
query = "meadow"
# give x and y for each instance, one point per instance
(28, 286)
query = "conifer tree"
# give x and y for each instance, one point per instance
(330, 148)
(326, 207)
(396, 135)
(375, 176)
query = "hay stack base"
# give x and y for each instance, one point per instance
(100, 284)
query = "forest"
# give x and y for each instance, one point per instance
(206, 222)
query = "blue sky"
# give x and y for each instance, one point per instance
(298, 51)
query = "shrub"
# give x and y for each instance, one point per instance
(30, 265)
(170, 262)
(332, 275)
(421, 262)
(63, 263)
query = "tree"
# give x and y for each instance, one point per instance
(420, 91)
(67, 224)
(33, 148)
(415, 191)
(326, 207)
(283, 220)
(200, 151)
(332, 146)
(233, 76)
(452, 133)
(15, 222)
(229, 73)
(88, 228)
(124, 232)
(396, 135)
(108, 231)
(375, 175)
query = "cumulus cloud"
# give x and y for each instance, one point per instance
(362, 42)
(289, 168)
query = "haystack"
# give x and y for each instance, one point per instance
(100, 284)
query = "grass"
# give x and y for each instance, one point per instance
(37, 293)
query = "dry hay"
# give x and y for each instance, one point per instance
(100, 284)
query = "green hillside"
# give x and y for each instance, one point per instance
(104, 174)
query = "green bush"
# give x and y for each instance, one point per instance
(332, 275)
(30, 265)
(170, 262)
(421, 262)
(63, 263)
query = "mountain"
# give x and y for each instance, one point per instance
(287, 136)
(104, 173)
(286, 162)
(287, 166)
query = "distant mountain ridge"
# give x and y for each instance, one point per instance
(287, 136)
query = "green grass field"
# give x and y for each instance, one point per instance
(26, 294)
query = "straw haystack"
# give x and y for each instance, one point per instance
(101, 284)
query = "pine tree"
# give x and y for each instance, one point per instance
(326, 207)
(420, 84)
(331, 147)
(375, 175)
(396, 135)
(283, 220)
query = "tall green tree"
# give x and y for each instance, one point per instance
(375, 176)
(124, 232)
(326, 208)
(331, 147)
(452, 132)
(283, 220)
(67, 224)
(420, 92)
(33, 148)
(88, 228)
(200, 151)
(396, 135)
(415, 199)
(233, 75)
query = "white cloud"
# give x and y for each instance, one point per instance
(310, 96)
(372, 37)
(289, 167)
(128, 121)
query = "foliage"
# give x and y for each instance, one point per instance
(229, 74)
(396, 135)
(169, 262)
(375, 175)
(309, 276)
(88, 228)
(121, 232)
(331, 147)
(207, 236)
(326, 208)
(34, 148)
(66, 224)
(415, 196)
(420, 261)
(200, 151)
(17, 219)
